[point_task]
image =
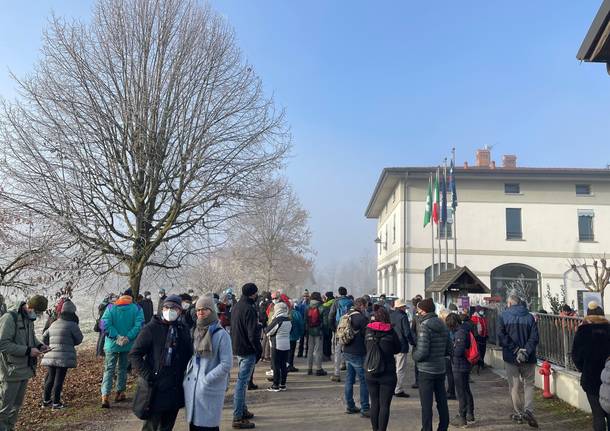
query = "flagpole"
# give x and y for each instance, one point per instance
(432, 231)
(454, 199)
(446, 217)
(438, 227)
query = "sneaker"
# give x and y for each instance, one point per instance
(470, 417)
(58, 406)
(247, 414)
(352, 410)
(252, 387)
(273, 388)
(365, 413)
(402, 395)
(292, 369)
(458, 421)
(531, 420)
(321, 372)
(105, 402)
(336, 379)
(282, 387)
(516, 418)
(269, 373)
(45, 404)
(242, 424)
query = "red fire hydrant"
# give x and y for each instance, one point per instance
(546, 370)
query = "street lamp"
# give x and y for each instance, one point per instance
(381, 242)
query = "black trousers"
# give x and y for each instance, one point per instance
(327, 337)
(303, 345)
(432, 386)
(293, 347)
(601, 419)
(196, 428)
(462, 390)
(381, 392)
(416, 374)
(482, 346)
(54, 383)
(161, 421)
(450, 382)
(280, 369)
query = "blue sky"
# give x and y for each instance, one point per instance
(373, 84)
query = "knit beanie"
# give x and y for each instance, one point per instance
(249, 289)
(38, 303)
(426, 305)
(206, 301)
(593, 309)
(173, 301)
(68, 307)
(329, 295)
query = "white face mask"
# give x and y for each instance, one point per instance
(170, 315)
(185, 305)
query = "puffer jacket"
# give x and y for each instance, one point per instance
(604, 390)
(62, 336)
(590, 350)
(517, 329)
(121, 318)
(17, 339)
(461, 342)
(278, 332)
(433, 345)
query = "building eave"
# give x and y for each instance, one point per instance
(596, 45)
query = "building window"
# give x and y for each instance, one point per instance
(585, 225)
(513, 223)
(512, 188)
(394, 231)
(449, 230)
(583, 189)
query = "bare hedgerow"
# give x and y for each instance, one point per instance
(139, 130)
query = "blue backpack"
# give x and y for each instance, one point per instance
(343, 306)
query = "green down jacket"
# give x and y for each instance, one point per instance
(17, 338)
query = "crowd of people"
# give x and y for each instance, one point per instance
(182, 351)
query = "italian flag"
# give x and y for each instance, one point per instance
(436, 206)
(428, 213)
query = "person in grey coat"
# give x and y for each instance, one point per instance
(62, 336)
(604, 390)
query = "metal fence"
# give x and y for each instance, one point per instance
(556, 336)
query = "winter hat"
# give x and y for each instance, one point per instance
(249, 289)
(128, 292)
(593, 309)
(329, 295)
(68, 307)
(38, 303)
(280, 309)
(426, 305)
(453, 307)
(399, 303)
(162, 291)
(173, 301)
(205, 301)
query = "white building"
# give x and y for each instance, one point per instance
(511, 223)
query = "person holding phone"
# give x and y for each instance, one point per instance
(62, 336)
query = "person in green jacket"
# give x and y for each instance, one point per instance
(19, 349)
(121, 323)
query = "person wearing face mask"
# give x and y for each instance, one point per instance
(121, 322)
(188, 316)
(160, 355)
(19, 350)
(147, 306)
(207, 375)
(161, 301)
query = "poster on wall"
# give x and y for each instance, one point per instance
(463, 303)
(586, 296)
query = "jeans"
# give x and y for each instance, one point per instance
(303, 345)
(314, 359)
(355, 365)
(401, 372)
(601, 419)
(110, 363)
(11, 400)
(381, 398)
(338, 355)
(482, 346)
(521, 386)
(464, 396)
(161, 422)
(246, 365)
(54, 382)
(280, 370)
(433, 386)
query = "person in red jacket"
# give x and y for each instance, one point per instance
(481, 333)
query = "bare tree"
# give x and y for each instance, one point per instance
(594, 276)
(139, 130)
(272, 239)
(524, 289)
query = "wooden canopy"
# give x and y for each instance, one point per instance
(458, 279)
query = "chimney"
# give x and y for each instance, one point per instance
(493, 164)
(483, 157)
(509, 161)
(466, 165)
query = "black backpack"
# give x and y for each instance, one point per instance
(374, 362)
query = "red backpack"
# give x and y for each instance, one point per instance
(472, 352)
(314, 319)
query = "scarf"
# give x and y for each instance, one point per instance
(170, 346)
(202, 338)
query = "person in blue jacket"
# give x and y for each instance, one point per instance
(518, 337)
(296, 333)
